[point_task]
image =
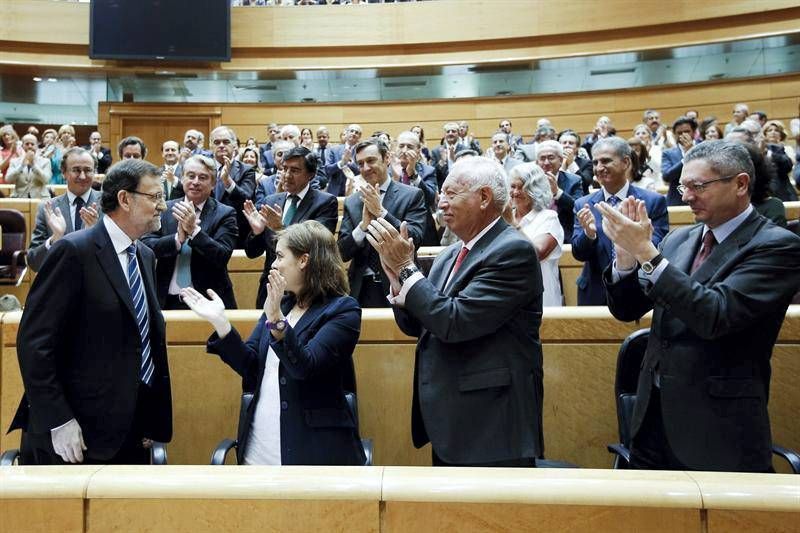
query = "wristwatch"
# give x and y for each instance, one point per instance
(279, 325)
(407, 272)
(649, 266)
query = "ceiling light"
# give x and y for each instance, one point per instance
(52, 80)
(37, 78)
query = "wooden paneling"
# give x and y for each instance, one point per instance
(778, 97)
(41, 515)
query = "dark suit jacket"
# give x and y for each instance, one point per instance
(586, 172)
(245, 178)
(571, 185)
(211, 249)
(41, 232)
(427, 183)
(266, 158)
(402, 203)
(671, 168)
(337, 181)
(79, 347)
(316, 360)
(597, 254)
(440, 162)
(478, 370)
(176, 192)
(711, 340)
(104, 161)
(315, 205)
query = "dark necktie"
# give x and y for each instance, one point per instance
(140, 307)
(322, 155)
(78, 206)
(404, 178)
(219, 190)
(612, 201)
(460, 259)
(291, 209)
(709, 241)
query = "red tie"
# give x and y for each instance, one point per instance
(705, 250)
(404, 179)
(460, 259)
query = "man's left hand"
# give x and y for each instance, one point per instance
(371, 197)
(89, 215)
(396, 248)
(633, 232)
(225, 175)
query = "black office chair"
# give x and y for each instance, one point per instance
(629, 362)
(158, 455)
(220, 453)
(12, 252)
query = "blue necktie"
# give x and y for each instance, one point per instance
(78, 220)
(140, 307)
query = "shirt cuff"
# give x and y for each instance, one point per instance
(177, 242)
(617, 274)
(358, 235)
(400, 298)
(48, 243)
(195, 231)
(230, 189)
(653, 276)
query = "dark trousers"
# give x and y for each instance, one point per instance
(38, 449)
(525, 462)
(372, 293)
(649, 448)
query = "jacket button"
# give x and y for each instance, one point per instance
(284, 405)
(282, 380)
(665, 344)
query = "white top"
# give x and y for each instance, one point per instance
(544, 222)
(264, 443)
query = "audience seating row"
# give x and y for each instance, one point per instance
(245, 272)
(389, 499)
(580, 351)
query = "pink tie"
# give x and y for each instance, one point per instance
(460, 259)
(705, 250)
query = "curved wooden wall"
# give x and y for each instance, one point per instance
(43, 33)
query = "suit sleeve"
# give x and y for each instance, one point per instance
(406, 322)
(245, 188)
(429, 187)
(500, 287)
(44, 326)
(37, 250)
(347, 245)
(241, 356)
(217, 247)
(415, 218)
(327, 348)
(328, 216)
(255, 245)
(671, 167)
(583, 248)
(625, 298)
(659, 217)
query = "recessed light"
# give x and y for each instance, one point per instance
(52, 80)
(37, 78)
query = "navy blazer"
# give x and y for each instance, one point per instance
(597, 254)
(671, 168)
(712, 335)
(315, 371)
(429, 186)
(244, 176)
(79, 348)
(571, 185)
(211, 249)
(315, 205)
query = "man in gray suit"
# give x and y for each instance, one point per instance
(478, 373)
(378, 196)
(501, 151)
(76, 209)
(719, 291)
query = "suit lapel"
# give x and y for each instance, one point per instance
(303, 207)
(207, 214)
(723, 251)
(390, 196)
(107, 257)
(442, 266)
(687, 249)
(63, 204)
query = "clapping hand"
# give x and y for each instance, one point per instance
(89, 215)
(630, 230)
(55, 221)
(210, 309)
(257, 222)
(273, 216)
(225, 175)
(184, 213)
(588, 222)
(396, 248)
(272, 305)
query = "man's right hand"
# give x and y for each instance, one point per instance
(68, 442)
(588, 222)
(254, 218)
(55, 221)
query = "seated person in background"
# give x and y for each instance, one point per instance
(761, 197)
(249, 156)
(444, 155)
(131, 148)
(501, 151)
(719, 291)
(529, 186)
(297, 203)
(672, 159)
(565, 186)
(640, 173)
(298, 361)
(408, 168)
(269, 185)
(74, 210)
(573, 162)
(30, 173)
(196, 239)
(9, 148)
(612, 160)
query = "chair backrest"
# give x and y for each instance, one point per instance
(14, 233)
(629, 362)
(244, 406)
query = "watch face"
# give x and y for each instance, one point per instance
(280, 325)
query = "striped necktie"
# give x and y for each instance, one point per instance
(140, 307)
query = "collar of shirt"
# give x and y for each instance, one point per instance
(621, 194)
(71, 197)
(301, 194)
(477, 237)
(385, 185)
(119, 238)
(199, 208)
(724, 230)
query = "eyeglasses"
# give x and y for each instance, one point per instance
(698, 187)
(157, 197)
(82, 170)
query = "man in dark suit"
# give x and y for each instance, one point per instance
(78, 208)
(478, 385)
(565, 186)
(196, 239)
(266, 158)
(612, 159)
(236, 182)
(91, 343)
(171, 170)
(409, 170)
(100, 154)
(342, 155)
(381, 197)
(571, 143)
(193, 145)
(444, 155)
(298, 203)
(672, 160)
(719, 291)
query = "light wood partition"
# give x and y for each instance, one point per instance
(777, 96)
(391, 499)
(580, 348)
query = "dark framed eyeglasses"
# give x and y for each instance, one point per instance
(698, 187)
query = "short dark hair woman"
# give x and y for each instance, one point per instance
(299, 359)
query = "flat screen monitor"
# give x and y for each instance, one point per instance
(169, 30)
